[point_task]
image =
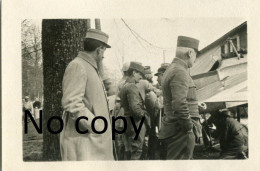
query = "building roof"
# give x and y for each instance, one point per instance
(224, 37)
(207, 59)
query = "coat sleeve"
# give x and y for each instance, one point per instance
(134, 102)
(73, 87)
(179, 90)
(224, 136)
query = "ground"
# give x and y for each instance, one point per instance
(33, 142)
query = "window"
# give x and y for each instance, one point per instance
(227, 49)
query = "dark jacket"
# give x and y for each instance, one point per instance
(232, 136)
(180, 99)
(131, 100)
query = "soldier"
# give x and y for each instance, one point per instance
(149, 97)
(148, 74)
(121, 149)
(160, 72)
(84, 96)
(133, 105)
(180, 103)
(155, 150)
(232, 135)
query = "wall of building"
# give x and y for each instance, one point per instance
(205, 61)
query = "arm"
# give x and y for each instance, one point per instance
(134, 102)
(149, 87)
(179, 91)
(73, 101)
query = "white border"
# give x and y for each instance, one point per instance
(13, 11)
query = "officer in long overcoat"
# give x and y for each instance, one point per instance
(84, 96)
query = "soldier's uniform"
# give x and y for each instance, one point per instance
(121, 149)
(133, 105)
(233, 136)
(180, 106)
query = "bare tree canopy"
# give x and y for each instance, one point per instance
(31, 60)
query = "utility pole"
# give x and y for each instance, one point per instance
(100, 63)
(97, 24)
(88, 24)
(163, 56)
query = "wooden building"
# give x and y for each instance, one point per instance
(220, 70)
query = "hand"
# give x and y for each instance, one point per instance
(203, 105)
(186, 124)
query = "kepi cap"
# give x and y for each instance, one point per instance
(147, 70)
(138, 67)
(98, 35)
(162, 69)
(189, 42)
(225, 112)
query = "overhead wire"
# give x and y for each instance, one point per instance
(138, 35)
(134, 34)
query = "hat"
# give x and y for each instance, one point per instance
(147, 70)
(125, 66)
(98, 35)
(26, 97)
(138, 67)
(189, 42)
(225, 112)
(162, 69)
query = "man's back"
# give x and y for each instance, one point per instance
(233, 136)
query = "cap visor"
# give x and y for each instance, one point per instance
(156, 74)
(108, 46)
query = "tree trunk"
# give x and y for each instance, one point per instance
(61, 42)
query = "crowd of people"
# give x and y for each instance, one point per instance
(169, 108)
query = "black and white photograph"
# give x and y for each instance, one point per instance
(134, 89)
(140, 85)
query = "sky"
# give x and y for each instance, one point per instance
(149, 40)
(158, 37)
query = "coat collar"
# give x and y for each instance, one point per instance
(181, 62)
(85, 56)
(130, 80)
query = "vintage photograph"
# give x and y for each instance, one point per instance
(125, 89)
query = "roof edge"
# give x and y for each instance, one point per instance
(224, 37)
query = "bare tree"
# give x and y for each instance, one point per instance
(31, 59)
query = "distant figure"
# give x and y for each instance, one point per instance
(37, 103)
(36, 107)
(27, 105)
(233, 136)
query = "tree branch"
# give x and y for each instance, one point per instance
(31, 52)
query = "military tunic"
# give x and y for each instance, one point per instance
(180, 105)
(133, 105)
